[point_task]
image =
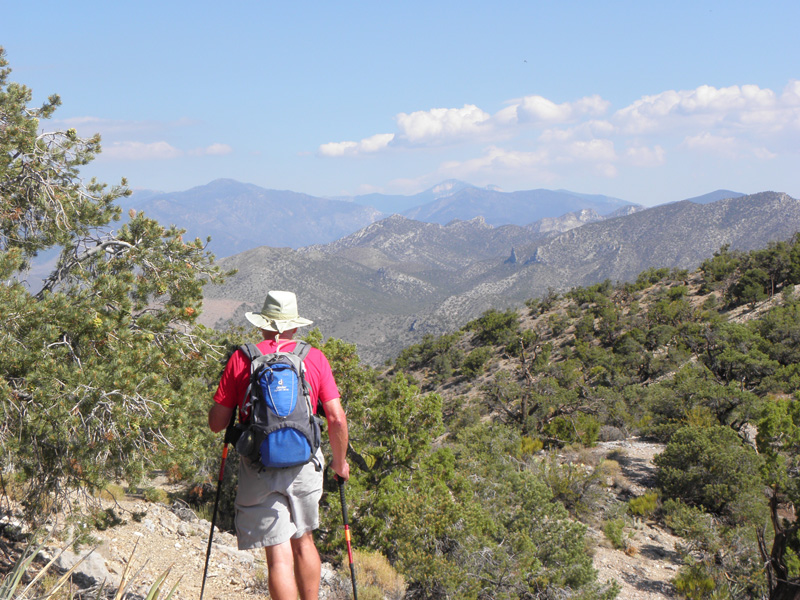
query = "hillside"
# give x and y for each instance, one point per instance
(553, 437)
(694, 361)
(389, 284)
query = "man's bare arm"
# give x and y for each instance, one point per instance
(219, 416)
(337, 433)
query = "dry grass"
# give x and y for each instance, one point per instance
(375, 577)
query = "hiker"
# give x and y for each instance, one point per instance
(278, 508)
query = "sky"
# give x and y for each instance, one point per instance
(649, 102)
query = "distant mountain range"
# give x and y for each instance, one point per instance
(386, 285)
(239, 216)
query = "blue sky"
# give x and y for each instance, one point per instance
(646, 101)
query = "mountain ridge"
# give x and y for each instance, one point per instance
(240, 216)
(386, 286)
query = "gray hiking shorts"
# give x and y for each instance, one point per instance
(275, 505)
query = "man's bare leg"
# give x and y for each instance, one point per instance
(281, 577)
(307, 566)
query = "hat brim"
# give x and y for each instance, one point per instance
(279, 325)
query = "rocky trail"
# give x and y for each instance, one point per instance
(154, 537)
(644, 569)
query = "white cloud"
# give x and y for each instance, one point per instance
(709, 141)
(745, 109)
(764, 154)
(495, 157)
(441, 124)
(592, 151)
(645, 156)
(533, 137)
(376, 142)
(368, 145)
(334, 149)
(141, 151)
(726, 146)
(536, 109)
(216, 149)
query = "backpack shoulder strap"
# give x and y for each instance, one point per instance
(250, 350)
(302, 349)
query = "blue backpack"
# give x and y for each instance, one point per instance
(282, 429)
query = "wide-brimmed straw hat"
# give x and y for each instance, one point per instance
(279, 313)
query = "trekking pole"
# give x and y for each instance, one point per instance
(228, 439)
(347, 537)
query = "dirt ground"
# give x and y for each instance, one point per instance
(643, 571)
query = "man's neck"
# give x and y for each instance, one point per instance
(274, 336)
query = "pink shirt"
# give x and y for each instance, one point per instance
(236, 377)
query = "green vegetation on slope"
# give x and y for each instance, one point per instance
(705, 362)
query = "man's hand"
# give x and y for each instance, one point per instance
(342, 471)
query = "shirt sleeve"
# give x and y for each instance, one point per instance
(233, 383)
(326, 385)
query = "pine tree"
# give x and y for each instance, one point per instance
(102, 366)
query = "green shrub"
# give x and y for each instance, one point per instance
(528, 340)
(578, 428)
(751, 288)
(113, 492)
(578, 489)
(650, 276)
(677, 292)
(643, 506)
(529, 445)
(711, 467)
(609, 470)
(558, 323)
(475, 361)
(154, 494)
(496, 327)
(691, 523)
(694, 582)
(614, 530)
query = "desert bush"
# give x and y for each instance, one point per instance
(609, 433)
(496, 327)
(475, 361)
(577, 487)
(614, 530)
(610, 471)
(154, 494)
(645, 505)
(577, 428)
(112, 491)
(529, 445)
(376, 579)
(694, 582)
(691, 523)
(711, 467)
